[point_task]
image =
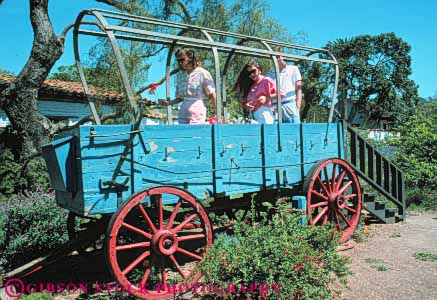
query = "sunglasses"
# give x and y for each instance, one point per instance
(181, 59)
(253, 71)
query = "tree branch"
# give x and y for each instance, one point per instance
(153, 53)
(120, 5)
(161, 81)
(184, 9)
(186, 14)
(83, 121)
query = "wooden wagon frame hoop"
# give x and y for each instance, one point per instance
(116, 32)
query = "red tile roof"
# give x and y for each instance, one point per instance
(66, 90)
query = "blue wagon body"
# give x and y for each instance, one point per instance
(206, 160)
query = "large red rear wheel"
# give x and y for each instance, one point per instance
(152, 247)
(333, 196)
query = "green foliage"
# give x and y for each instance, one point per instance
(300, 258)
(31, 225)
(14, 179)
(374, 74)
(426, 256)
(37, 296)
(9, 173)
(417, 154)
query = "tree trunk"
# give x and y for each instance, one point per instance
(19, 99)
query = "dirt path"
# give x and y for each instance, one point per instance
(385, 266)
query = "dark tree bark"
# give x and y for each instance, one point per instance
(19, 98)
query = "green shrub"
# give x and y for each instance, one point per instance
(422, 199)
(37, 296)
(9, 173)
(31, 225)
(301, 259)
(416, 155)
(14, 180)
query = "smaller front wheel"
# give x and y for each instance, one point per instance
(155, 241)
(333, 195)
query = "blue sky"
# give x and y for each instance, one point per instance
(322, 21)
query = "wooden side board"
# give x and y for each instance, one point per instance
(207, 160)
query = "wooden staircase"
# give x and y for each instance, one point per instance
(379, 177)
(379, 209)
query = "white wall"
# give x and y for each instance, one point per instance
(74, 111)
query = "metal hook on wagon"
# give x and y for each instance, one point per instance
(113, 184)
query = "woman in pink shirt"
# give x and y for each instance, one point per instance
(256, 91)
(194, 85)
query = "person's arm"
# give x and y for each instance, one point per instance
(298, 94)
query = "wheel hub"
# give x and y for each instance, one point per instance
(332, 197)
(164, 242)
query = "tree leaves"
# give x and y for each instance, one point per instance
(374, 73)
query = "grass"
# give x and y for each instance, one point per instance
(377, 264)
(426, 256)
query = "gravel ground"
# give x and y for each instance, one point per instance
(385, 266)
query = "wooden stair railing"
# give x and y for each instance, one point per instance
(371, 165)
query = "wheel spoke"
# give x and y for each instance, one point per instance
(178, 267)
(147, 218)
(133, 246)
(350, 209)
(135, 262)
(344, 218)
(320, 204)
(137, 230)
(317, 218)
(319, 195)
(325, 219)
(173, 215)
(163, 278)
(188, 253)
(340, 180)
(333, 177)
(344, 187)
(185, 222)
(158, 199)
(147, 274)
(323, 185)
(328, 183)
(347, 197)
(190, 237)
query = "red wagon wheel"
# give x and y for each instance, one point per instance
(153, 248)
(333, 195)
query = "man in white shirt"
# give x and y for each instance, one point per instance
(290, 82)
